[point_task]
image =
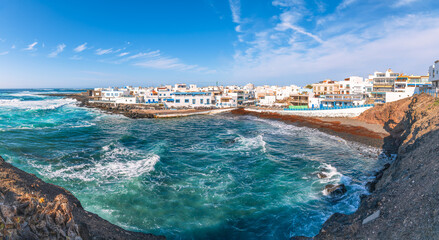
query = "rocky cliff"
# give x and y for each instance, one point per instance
(405, 198)
(33, 209)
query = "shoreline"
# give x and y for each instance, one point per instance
(135, 111)
(346, 128)
(402, 199)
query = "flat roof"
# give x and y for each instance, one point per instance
(190, 93)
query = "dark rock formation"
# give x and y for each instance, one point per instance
(335, 190)
(33, 209)
(404, 202)
(321, 175)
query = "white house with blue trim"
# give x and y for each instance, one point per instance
(189, 100)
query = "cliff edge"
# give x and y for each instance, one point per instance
(405, 195)
(33, 209)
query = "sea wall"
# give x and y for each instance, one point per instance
(33, 209)
(405, 195)
(348, 112)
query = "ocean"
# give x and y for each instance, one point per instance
(202, 177)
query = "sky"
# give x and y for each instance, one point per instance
(83, 44)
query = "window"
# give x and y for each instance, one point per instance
(207, 101)
(177, 101)
(193, 101)
(201, 101)
(186, 100)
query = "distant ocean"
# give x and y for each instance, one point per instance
(203, 177)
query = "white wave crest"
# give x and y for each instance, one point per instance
(27, 94)
(249, 144)
(36, 105)
(111, 168)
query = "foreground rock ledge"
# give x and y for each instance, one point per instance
(33, 209)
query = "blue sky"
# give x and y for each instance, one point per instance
(102, 43)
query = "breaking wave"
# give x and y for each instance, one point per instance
(111, 168)
(249, 144)
(48, 104)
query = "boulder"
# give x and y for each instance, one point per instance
(321, 175)
(335, 190)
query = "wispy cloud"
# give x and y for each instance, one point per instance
(31, 47)
(76, 57)
(400, 3)
(13, 46)
(58, 50)
(149, 54)
(123, 54)
(155, 60)
(345, 3)
(235, 7)
(80, 48)
(348, 53)
(288, 3)
(287, 22)
(4, 53)
(103, 51)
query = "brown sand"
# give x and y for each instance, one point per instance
(346, 128)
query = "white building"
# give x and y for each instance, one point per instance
(395, 96)
(110, 94)
(267, 100)
(189, 100)
(433, 72)
(355, 85)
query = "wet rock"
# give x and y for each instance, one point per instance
(26, 233)
(8, 211)
(335, 190)
(321, 175)
(9, 224)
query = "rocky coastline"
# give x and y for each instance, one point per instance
(33, 209)
(404, 195)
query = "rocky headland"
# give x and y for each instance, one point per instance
(404, 198)
(33, 209)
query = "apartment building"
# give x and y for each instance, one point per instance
(326, 87)
(433, 73)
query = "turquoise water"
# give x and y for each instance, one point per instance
(216, 177)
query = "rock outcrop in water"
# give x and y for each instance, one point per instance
(33, 209)
(405, 200)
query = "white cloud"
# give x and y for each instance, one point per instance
(235, 7)
(400, 3)
(155, 60)
(31, 47)
(58, 50)
(345, 3)
(80, 48)
(348, 53)
(287, 20)
(123, 54)
(103, 51)
(13, 46)
(287, 3)
(4, 53)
